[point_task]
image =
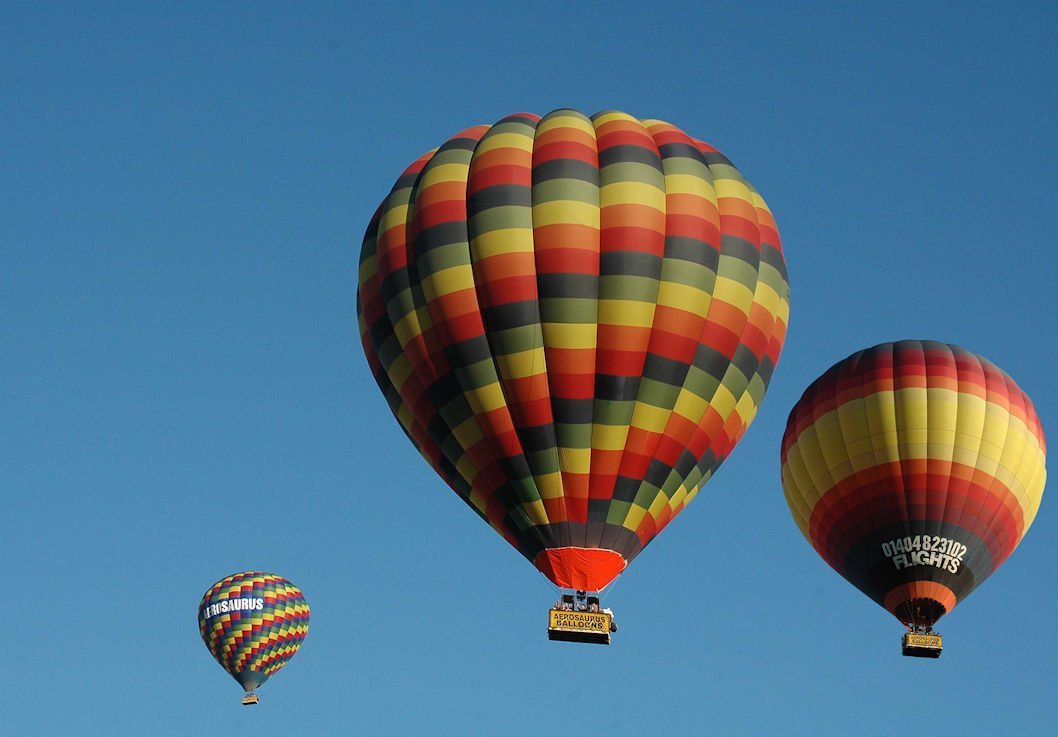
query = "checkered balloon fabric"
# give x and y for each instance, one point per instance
(253, 623)
(574, 319)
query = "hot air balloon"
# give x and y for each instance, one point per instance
(253, 623)
(574, 320)
(914, 469)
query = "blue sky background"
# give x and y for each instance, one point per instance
(183, 189)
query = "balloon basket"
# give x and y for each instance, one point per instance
(579, 619)
(921, 645)
(250, 698)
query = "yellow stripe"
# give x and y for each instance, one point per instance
(650, 418)
(493, 141)
(468, 433)
(679, 496)
(683, 297)
(746, 409)
(608, 437)
(626, 312)
(446, 281)
(569, 335)
(734, 188)
(502, 241)
(690, 184)
(690, 406)
(535, 512)
(612, 115)
(368, 267)
(723, 401)
(398, 371)
(522, 364)
(798, 504)
(549, 485)
(768, 298)
(441, 173)
(392, 217)
(1034, 488)
(659, 503)
(574, 460)
(632, 193)
(486, 398)
(566, 212)
(478, 497)
(407, 420)
(935, 424)
(634, 517)
(565, 121)
(732, 292)
(408, 328)
(758, 201)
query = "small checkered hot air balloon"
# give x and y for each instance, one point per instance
(574, 320)
(914, 469)
(253, 623)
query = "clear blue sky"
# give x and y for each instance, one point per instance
(183, 189)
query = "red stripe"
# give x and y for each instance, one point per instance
(645, 238)
(890, 494)
(561, 259)
(544, 149)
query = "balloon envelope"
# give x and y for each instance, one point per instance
(253, 623)
(574, 320)
(914, 469)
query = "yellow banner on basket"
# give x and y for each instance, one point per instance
(576, 621)
(913, 640)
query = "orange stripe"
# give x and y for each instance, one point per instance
(920, 590)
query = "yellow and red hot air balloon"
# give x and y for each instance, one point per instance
(914, 469)
(574, 320)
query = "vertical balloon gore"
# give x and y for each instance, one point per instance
(914, 469)
(574, 319)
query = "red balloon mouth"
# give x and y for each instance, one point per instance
(585, 569)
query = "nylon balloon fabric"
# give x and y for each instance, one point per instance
(253, 623)
(574, 319)
(914, 469)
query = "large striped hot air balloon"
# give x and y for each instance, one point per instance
(914, 469)
(574, 319)
(253, 623)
